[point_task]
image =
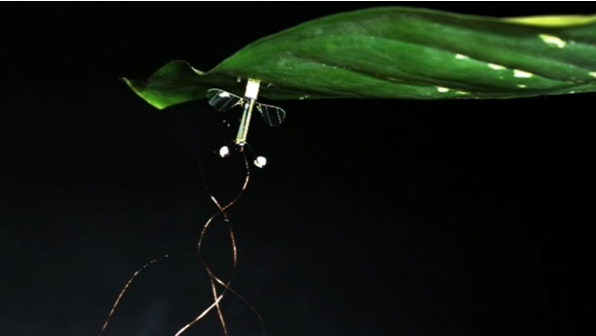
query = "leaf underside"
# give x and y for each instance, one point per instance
(398, 53)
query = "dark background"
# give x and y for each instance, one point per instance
(372, 217)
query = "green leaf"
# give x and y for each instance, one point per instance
(399, 53)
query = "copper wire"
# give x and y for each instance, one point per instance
(213, 279)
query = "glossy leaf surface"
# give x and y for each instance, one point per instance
(398, 53)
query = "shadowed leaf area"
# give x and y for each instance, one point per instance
(398, 53)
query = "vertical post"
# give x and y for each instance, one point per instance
(251, 93)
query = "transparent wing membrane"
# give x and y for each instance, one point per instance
(222, 100)
(272, 115)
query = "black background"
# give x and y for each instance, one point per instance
(372, 217)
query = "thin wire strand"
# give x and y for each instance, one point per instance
(213, 279)
(105, 325)
(129, 283)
